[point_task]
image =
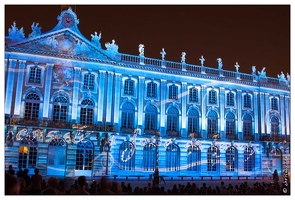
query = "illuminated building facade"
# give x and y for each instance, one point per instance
(74, 108)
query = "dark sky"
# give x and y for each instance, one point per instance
(248, 34)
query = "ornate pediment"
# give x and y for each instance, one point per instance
(62, 43)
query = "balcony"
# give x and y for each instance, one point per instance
(275, 138)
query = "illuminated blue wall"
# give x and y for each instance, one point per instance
(63, 63)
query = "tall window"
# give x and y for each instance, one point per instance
(230, 101)
(128, 115)
(86, 113)
(60, 109)
(249, 157)
(193, 121)
(247, 101)
(231, 157)
(149, 157)
(84, 155)
(172, 119)
(247, 125)
(212, 123)
(35, 75)
(129, 87)
(274, 103)
(172, 157)
(151, 90)
(230, 124)
(212, 96)
(89, 81)
(274, 124)
(193, 158)
(27, 157)
(151, 117)
(32, 106)
(173, 92)
(212, 159)
(127, 156)
(193, 95)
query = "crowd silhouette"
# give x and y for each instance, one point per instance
(21, 184)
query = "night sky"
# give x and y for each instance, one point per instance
(248, 34)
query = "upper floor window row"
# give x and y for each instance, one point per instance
(35, 75)
(129, 87)
(274, 103)
(89, 80)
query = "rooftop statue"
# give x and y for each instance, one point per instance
(219, 61)
(288, 77)
(96, 39)
(202, 59)
(112, 46)
(253, 69)
(14, 32)
(36, 31)
(163, 53)
(262, 73)
(237, 66)
(183, 57)
(281, 76)
(141, 49)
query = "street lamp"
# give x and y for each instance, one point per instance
(156, 173)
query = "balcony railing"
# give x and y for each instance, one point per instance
(275, 138)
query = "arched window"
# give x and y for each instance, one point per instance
(89, 81)
(35, 75)
(32, 106)
(193, 95)
(212, 159)
(193, 158)
(230, 126)
(247, 101)
(127, 156)
(212, 96)
(60, 109)
(212, 123)
(249, 158)
(151, 117)
(193, 121)
(149, 157)
(275, 128)
(28, 151)
(151, 90)
(172, 157)
(247, 125)
(172, 121)
(230, 101)
(173, 92)
(127, 116)
(86, 113)
(231, 159)
(84, 155)
(274, 103)
(129, 87)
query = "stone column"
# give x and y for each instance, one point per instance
(184, 131)
(239, 115)
(282, 113)
(109, 97)
(262, 113)
(76, 87)
(19, 87)
(10, 86)
(101, 95)
(256, 115)
(118, 79)
(47, 90)
(222, 123)
(203, 110)
(288, 111)
(266, 113)
(163, 111)
(140, 99)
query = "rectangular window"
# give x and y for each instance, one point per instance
(151, 90)
(230, 99)
(274, 104)
(35, 75)
(247, 101)
(129, 87)
(212, 97)
(173, 92)
(193, 95)
(89, 81)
